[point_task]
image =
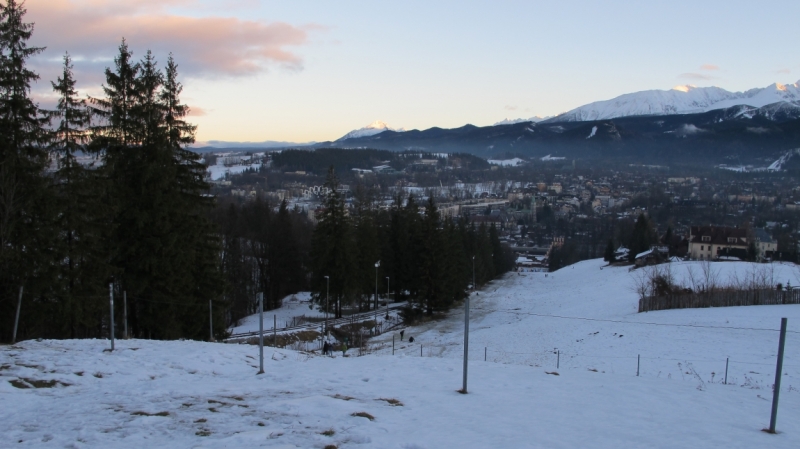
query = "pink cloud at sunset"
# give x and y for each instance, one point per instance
(203, 46)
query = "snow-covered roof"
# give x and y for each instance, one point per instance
(643, 254)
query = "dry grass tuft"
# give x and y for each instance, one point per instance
(24, 382)
(150, 414)
(364, 415)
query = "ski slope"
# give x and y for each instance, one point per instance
(586, 316)
(188, 394)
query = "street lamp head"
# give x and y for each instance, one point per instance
(326, 277)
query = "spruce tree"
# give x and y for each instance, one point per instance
(609, 254)
(332, 251)
(26, 209)
(84, 270)
(431, 262)
(642, 237)
(367, 250)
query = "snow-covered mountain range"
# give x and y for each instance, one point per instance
(373, 128)
(681, 100)
(534, 119)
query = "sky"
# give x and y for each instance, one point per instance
(303, 70)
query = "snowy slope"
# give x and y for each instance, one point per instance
(506, 162)
(681, 100)
(372, 129)
(513, 319)
(194, 394)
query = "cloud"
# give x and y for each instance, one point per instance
(783, 71)
(709, 67)
(510, 108)
(195, 111)
(695, 76)
(209, 46)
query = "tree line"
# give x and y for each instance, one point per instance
(133, 223)
(137, 221)
(406, 248)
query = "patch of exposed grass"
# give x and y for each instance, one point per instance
(344, 398)
(31, 366)
(79, 373)
(392, 401)
(236, 398)
(4, 367)
(24, 382)
(594, 370)
(328, 433)
(331, 446)
(284, 340)
(213, 410)
(203, 433)
(363, 415)
(554, 373)
(98, 375)
(201, 420)
(140, 413)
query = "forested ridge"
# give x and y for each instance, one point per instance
(138, 222)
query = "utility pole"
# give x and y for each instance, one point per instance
(16, 320)
(778, 374)
(125, 313)
(210, 322)
(387, 297)
(466, 342)
(377, 264)
(473, 273)
(261, 333)
(111, 303)
(327, 302)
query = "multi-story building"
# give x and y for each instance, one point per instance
(710, 242)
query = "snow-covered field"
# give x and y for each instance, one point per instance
(194, 394)
(219, 171)
(293, 306)
(588, 313)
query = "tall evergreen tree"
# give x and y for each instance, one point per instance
(367, 251)
(609, 254)
(431, 262)
(26, 212)
(84, 271)
(642, 237)
(165, 249)
(332, 251)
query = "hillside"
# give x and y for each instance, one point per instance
(194, 394)
(741, 134)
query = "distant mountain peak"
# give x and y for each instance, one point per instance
(534, 119)
(685, 88)
(372, 129)
(685, 99)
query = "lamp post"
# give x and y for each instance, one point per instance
(387, 297)
(473, 273)
(377, 264)
(327, 301)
